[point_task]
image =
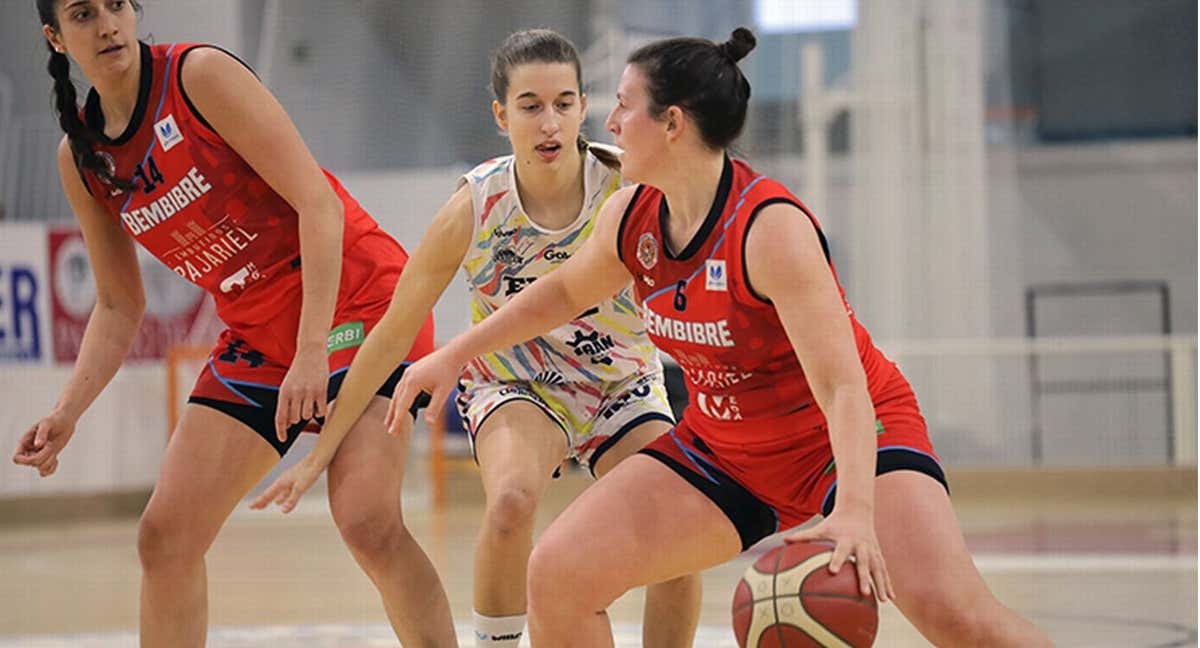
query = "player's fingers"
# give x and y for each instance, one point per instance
(884, 580)
(264, 498)
(390, 417)
(862, 563)
(799, 536)
(879, 577)
(401, 426)
(314, 403)
(43, 432)
(281, 424)
(25, 450)
(282, 494)
(404, 393)
(44, 454)
(437, 402)
(303, 407)
(295, 404)
(840, 552)
(320, 406)
(48, 469)
(292, 498)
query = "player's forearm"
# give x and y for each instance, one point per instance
(106, 341)
(384, 349)
(321, 232)
(852, 436)
(544, 305)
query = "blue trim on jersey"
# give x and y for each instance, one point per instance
(829, 493)
(693, 457)
(157, 113)
(736, 208)
(229, 385)
(658, 292)
(716, 246)
(616, 437)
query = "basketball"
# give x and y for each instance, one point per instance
(789, 599)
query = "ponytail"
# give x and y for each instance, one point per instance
(606, 157)
(79, 135)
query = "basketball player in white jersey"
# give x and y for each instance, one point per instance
(591, 390)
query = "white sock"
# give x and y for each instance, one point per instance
(498, 632)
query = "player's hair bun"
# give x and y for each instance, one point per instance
(739, 44)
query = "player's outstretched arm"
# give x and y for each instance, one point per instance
(592, 275)
(429, 270)
(786, 264)
(120, 302)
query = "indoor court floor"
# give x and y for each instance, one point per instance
(1094, 572)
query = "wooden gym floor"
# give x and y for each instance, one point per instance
(1096, 558)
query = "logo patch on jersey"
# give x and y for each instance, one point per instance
(505, 256)
(514, 285)
(594, 345)
(714, 275)
(721, 408)
(647, 250)
(649, 281)
(168, 133)
(245, 276)
(350, 334)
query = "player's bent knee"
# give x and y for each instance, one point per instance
(163, 544)
(369, 532)
(957, 620)
(549, 582)
(559, 576)
(511, 510)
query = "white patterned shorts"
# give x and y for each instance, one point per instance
(594, 416)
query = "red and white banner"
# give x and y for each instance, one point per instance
(176, 311)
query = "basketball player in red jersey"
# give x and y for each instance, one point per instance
(793, 411)
(181, 149)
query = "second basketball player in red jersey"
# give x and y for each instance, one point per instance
(793, 411)
(182, 150)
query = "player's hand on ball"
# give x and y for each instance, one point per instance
(854, 538)
(41, 443)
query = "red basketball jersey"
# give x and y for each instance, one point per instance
(699, 308)
(197, 205)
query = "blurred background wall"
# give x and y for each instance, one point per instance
(989, 172)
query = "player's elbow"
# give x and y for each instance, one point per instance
(836, 389)
(128, 307)
(324, 207)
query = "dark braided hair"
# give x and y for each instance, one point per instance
(79, 135)
(541, 46)
(703, 79)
